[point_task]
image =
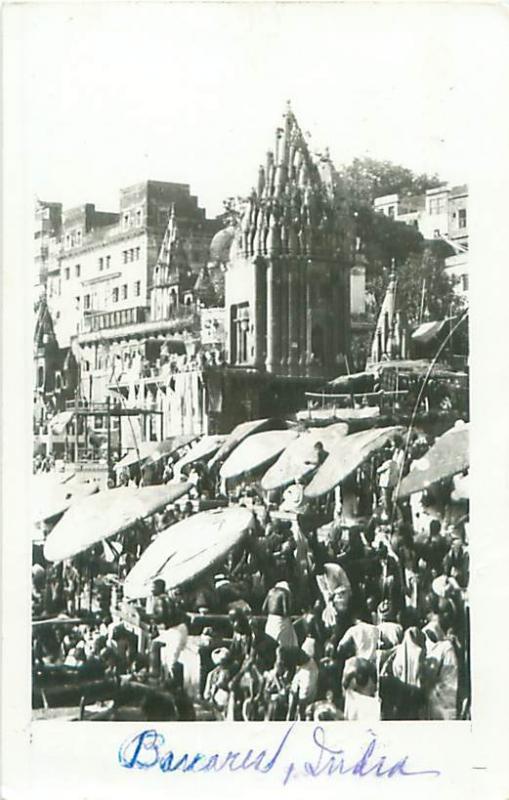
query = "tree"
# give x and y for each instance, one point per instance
(424, 285)
(424, 290)
(233, 207)
(367, 178)
(384, 240)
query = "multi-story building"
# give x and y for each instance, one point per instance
(149, 360)
(439, 213)
(102, 262)
(47, 227)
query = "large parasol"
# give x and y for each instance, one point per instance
(345, 456)
(154, 451)
(255, 452)
(242, 431)
(201, 451)
(170, 446)
(51, 498)
(110, 512)
(447, 457)
(186, 550)
(296, 461)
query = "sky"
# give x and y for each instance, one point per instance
(111, 94)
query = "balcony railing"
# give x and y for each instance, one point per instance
(98, 321)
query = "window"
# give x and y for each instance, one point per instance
(124, 256)
(462, 218)
(131, 254)
(108, 262)
(240, 318)
(86, 302)
(436, 205)
(78, 238)
(114, 295)
(67, 273)
(391, 211)
(77, 270)
(67, 241)
(126, 220)
(436, 233)
(138, 254)
(138, 217)
(464, 282)
(137, 288)
(101, 264)
(78, 301)
(124, 291)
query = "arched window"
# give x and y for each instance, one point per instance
(40, 377)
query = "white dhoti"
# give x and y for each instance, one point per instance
(281, 630)
(174, 640)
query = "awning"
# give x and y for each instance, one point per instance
(105, 514)
(60, 421)
(347, 455)
(187, 549)
(356, 382)
(417, 367)
(447, 457)
(428, 331)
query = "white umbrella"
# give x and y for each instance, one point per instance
(184, 551)
(106, 514)
(255, 452)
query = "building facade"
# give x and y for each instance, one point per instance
(440, 213)
(103, 262)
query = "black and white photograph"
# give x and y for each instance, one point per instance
(254, 451)
(250, 416)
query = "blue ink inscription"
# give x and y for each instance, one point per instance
(334, 762)
(146, 750)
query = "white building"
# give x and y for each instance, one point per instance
(439, 213)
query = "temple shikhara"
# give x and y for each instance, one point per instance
(288, 272)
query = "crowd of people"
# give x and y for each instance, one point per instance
(361, 617)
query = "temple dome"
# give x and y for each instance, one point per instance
(221, 244)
